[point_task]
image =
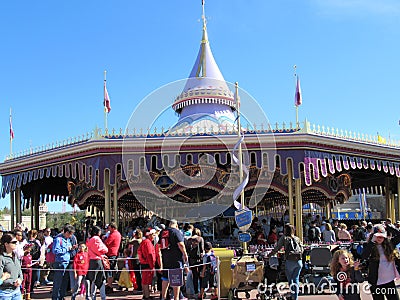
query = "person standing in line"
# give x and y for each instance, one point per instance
(10, 269)
(96, 275)
(147, 258)
(35, 253)
(112, 242)
(62, 248)
(195, 250)
(381, 254)
(27, 272)
(48, 239)
(173, 255)
(293, 257)
(328, 235)
(74, 243)
(81, 267)
(19, 250)
(137, 240)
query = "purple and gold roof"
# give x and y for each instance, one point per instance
(206, 101)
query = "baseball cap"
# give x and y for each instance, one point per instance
(379, 230)
(151, 231)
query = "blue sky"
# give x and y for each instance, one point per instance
(53, 55)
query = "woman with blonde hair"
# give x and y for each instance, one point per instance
(343, 234)
(328, 235)
(346, 274)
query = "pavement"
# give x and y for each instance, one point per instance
(44, 292)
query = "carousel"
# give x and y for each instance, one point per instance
(188, 171)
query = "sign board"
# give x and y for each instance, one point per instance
(243, 219)
(175, 277)
(244, 237)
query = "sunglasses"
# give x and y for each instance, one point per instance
(13, 242)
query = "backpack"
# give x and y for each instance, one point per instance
(164, 239)
(35, 250)
(359, 234)
(50, 255)
(312, 234)
(212, 264)
(293, 249)
(193, 249)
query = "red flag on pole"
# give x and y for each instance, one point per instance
(297, 97)
(106, 102)
(11, 128)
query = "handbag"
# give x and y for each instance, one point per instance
(106, 262)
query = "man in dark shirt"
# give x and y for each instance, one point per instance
(173, 255)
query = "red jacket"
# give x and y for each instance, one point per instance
(147, 253)
(113, 243)
(96, 247)
(81, 263)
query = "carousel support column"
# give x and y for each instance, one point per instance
(290, 190)
(398, 198)
(115, 199)
(328, 210)
(299, 208)
(387, 198)
(33, 209)
(18, 206)
(393, 209)
(107, 197)
(37, 210)
(12, 208)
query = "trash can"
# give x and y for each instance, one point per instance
(225, 256)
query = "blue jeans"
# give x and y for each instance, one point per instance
(14, 295)
(60, 281)
(292, 270)
(72, 281)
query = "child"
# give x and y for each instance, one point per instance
(124, 280)
(81, 267)
(346, 274)
(26, 265)
(208, 273)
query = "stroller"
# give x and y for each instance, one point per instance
(247, 274)
(318, 279)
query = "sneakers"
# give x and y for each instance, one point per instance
(47, 282)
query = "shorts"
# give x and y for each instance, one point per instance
(147, 276)
(113, 266)
(170, 265)
(208, 281)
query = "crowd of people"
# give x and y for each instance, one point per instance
(83, 266)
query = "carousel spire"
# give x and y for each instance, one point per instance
(205, 84)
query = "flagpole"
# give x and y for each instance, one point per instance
(105, 108)
(240, 145)
(11, 134)
(242, 202)
(297, 107)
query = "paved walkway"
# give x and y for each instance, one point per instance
(44, 293)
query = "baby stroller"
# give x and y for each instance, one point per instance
(273, 272)
(247, 274)
(319, 277)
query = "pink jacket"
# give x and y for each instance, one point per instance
(96, 247)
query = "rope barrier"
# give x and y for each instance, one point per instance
(145, 270)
